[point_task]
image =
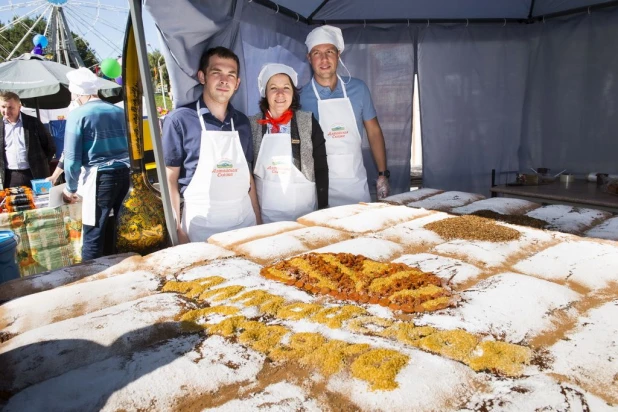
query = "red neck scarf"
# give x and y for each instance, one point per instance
(279, 121)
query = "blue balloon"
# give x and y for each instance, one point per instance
(37, 50)
(39, 40)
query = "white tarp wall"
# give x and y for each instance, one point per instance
(505, 97)
(472, 87)
(384, 59)
(571, 106)
(520, 96)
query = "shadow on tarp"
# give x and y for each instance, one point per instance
(78, 374)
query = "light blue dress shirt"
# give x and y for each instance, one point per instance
(357, 91)
(15, 145)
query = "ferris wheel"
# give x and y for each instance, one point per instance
(100, 23)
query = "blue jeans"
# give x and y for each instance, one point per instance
(112, 187)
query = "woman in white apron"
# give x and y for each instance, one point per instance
(217, 199)
(347, 174)
(291, 170)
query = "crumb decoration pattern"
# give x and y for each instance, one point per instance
(472, 227)
(347, 276)
(269, 332)
(530, 323)
(521, 220)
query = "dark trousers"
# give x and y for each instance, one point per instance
(16, 178)
(112, 187)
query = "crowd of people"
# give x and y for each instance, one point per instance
(300, 153)
(95, 160)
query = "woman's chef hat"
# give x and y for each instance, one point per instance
(269, 70)
(325, 35)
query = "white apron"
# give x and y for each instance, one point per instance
(284, 193)
(87, 190)
(217, 199)
(347, 177)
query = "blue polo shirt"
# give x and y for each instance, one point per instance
(182, 135)
(357, 91)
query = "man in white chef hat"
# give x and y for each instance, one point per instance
(343, 108)
(95, 141)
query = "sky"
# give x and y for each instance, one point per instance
(103, 27)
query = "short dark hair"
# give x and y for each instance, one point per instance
(7, 95)
(219, 51)
(295, 98)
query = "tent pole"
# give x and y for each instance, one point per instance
(592, 7)
(157, 145)
(283, 10)
(367, 22)
(531, 11)
(312, 15)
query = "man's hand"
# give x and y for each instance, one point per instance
(69, 197)
(383, 189)
(182, 236)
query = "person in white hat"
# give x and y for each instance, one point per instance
(343, 109)
(96, 140)
(290, 167)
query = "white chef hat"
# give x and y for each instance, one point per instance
(325, 35)
(269, 70)
(83, 82)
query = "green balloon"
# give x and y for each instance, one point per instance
(111, 68)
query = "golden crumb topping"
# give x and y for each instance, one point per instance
(472, 228)
(354, 277)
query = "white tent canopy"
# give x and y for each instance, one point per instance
(503, 84)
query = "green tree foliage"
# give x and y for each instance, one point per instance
(85, 52)
(153, 62)
(12, 36)
(17, 31)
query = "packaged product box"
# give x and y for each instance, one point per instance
(41, 186)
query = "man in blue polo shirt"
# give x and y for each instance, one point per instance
(343, 109)
(208, 150)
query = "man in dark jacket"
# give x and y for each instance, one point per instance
(25, 145)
